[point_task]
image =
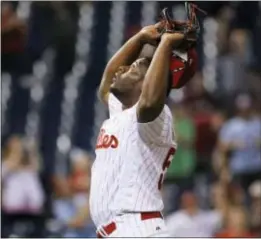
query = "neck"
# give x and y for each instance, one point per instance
(129, 101)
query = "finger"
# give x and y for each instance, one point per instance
(179, 36)
(160, 25)
(157, 34)
(176, 35)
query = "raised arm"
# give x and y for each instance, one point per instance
(126, 55)
(154, 91)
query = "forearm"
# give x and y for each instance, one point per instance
(155, 82)
(127, 54)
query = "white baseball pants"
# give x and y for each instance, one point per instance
(131, 225)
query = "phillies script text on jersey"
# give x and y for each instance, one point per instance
(131, 160)
(106, 141)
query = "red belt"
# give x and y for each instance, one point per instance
(110, 228)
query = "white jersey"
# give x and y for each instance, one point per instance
(131, 160)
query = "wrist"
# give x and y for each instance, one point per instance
(172, 40)
(141, 37)
(167, 43)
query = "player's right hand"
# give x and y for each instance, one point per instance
(173, 38)
(151, 34)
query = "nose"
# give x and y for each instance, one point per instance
(117, 74)
(121, 69)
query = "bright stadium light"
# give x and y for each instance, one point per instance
(210, 51)
(148, 13)
(72, 82)
(5, 96)
(23, 9)
(64, 143)
(37, 93)
(179, 12)
(79, 68)
(39, 69)
(116, 36)
(38, 81)
(116, 27)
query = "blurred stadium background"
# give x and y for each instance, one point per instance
(53, 55)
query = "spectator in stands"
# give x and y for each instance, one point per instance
(239, 143)
(71, 205)
(191, 221)
(236, 224)
(62, 205)
(22, 192)
(255, 209)
(13, 35)
(231, 67)
(180, 173)
(79, 181)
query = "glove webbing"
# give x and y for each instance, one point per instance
(184, 27)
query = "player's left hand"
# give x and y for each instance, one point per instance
(151, 34)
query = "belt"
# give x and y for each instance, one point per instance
(111, 227)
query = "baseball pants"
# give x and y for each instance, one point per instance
(131, 225)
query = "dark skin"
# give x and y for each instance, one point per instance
(127, 82)
(141, 81)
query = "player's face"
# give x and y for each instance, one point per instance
(130, 78)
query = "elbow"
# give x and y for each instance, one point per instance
(102, 96)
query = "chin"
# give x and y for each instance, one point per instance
(115, 91)
(112, 88)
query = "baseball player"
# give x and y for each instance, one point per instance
(136, 144)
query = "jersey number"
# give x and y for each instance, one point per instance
(165, 166)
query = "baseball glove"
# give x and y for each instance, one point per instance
(183, 62)
(190, 27)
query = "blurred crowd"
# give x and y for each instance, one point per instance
(26, 210)
(213, 186)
